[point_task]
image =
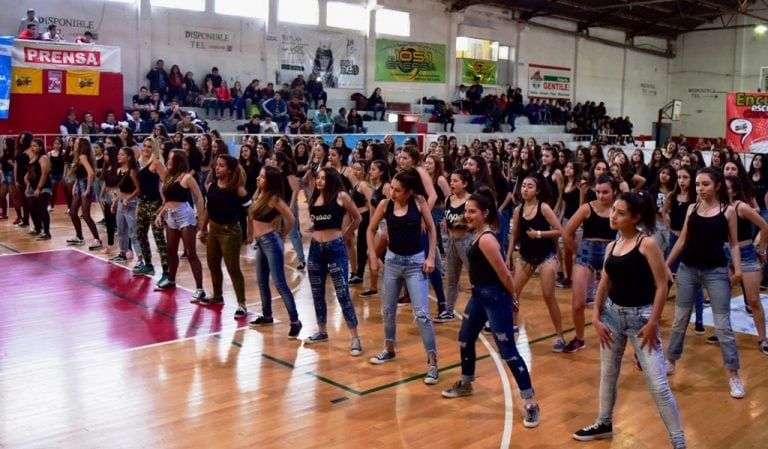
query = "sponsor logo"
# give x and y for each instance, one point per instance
(62, 57)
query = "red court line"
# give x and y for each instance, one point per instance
(62, 304)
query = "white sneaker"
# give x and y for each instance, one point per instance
(737, 388)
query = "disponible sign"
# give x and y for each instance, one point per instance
(546, 81)
(36, 54)
(208, 39)
(746, 126)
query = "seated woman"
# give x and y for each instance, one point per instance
(376, 104)
(225, 100)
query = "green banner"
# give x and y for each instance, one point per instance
(403, 61)
(473, 69)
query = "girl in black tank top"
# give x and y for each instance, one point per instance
(536, 228)
(361, 195)
(459, 236)
(379, 178)
(552, 175)
(636, 286)
(572, 197)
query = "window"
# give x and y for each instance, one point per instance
(396, 23)
(252, 8)
(471, 48)
(123, 1)
(304, 12)
(346, 15)
(192, 5)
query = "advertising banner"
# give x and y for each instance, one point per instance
(26, 81)
(82, 82)
(5, 75)
(403, 61)
(546, 81)
(65, 56)
(473, 69)
(746, 121)
(54, 81)
(337, 59)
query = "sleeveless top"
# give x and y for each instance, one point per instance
(532, 248)
(176, 192)
(404, 232)
(632, 283)
(344, 180)
(552, 188)
(440, 195)
(677, 212)
(125, 183)
(266, 217)
(149, 184)
(57, 164)
(744, 227)
(287, 190)
(377, 195)
(358, 197)
(591, 195)
(224, 206)
(571, 202)
(597, 227)
(454, 216)
(35, 171)
(481, 272)
(706, 237)
(81, 172)
(761, 187)
(327, 216)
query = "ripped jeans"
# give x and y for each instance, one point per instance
(408, 269)
(494, 304)
(330, 258)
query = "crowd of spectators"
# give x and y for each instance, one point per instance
(29, 29)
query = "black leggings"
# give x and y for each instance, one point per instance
(38, 210)
(110, 218)
(362, 244)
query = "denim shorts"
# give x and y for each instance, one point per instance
(749, 261)
(80, 186)
(591, 254)
(533, 263)
(8, 177)
(31, 191)
(180, 217)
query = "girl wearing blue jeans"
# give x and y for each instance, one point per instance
(406, 261)
(492, 300)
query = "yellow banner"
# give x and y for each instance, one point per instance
(26, 81)
(82, 82)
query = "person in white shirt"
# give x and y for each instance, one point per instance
(27, 20)
(53, 34)
(268, 126)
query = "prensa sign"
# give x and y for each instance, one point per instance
(48, 55)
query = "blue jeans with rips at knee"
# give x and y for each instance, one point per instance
(330, 258)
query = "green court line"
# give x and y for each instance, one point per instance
(15, 251)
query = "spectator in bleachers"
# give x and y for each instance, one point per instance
(307, 127)
(446, 117)
(134, 122)
(158, 79)
(475, 96)
(278, 109)
(29, 19)
(53, 34)
(296, 110)
(460, 99)
(89, 128)
(236, 91)
(285, 92)
(532, 112)
(213, 77)
(299, 85)
(173, 114)
(110, 124)
(315, 91)
(225, 100)
(29, 33)
(340, 122)
(185, 125)
(85, 38)
(142, 102)
(323, 122)
(355, 122)
(70, 126)
(251, 127)
(268, 92)
(156, 101)
(148, 125)
(251, 96)
(268, 126)
(193, 91)
(377, 104)
(176, 86)
(208, 99)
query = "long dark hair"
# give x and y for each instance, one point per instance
(691, 193)
(176, 170)
(384, 169)
(333, 185)
(640, 203)
(286, 165)
(411, 181)
(485, 200)
(544, 193)
(109, 172)
(737, 188)
(718, 178)
(273, 188)
(237, 178)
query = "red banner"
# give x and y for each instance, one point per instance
(746, 121)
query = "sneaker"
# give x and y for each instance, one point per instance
(591, 301)
(293, 333)
(487, 328)
(707, 302)
(355, 348)
(144, 269)
(33, 232)
(22, 225)
(50, 208)
(198, 294)
(262, 321)
(458, 389)
(119, 258)
(163, 278)
(95, 245)
(301, 266)
(166, 284)
(369, 293)
(317, 337)
(595, 431)
(76, 241)
(699, 328)
(138, 267)
(712, 340)
(559, 278)
(383, 357)
(44, 236)
(574, 345)
(531, 418)
(432, 375)
(763, 345)
(558, 345)
(566, 283)
(17, 221)
(737, 388)
(241, 311)
(403, 300)
(444, 317)
(211, 301)
(355, 280)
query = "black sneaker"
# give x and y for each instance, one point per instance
(241, 311)
(95, 245)
(263, 321)
(559, 278)
(595, 431)
(531, 418)
(166, 284)
(699, 328)
(119, 258)
(712, 340)
(574, 345)
(210, 301)
(369, 293)
(301, 266)
(355, 280)
(295, 329)
(44, 236)
(383, 357)
(33, 232)
(317, 337)
(444, 317)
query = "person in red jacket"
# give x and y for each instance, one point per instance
(225, 100)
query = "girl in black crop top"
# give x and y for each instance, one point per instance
(536, 228)
(379, 179)
(709, 224)
(124, 204)
(151, 171)
(39, 190)
(628, 306)
(492, 300)
(459, 236)
(361, 195)
(83, 194)
(328, 255)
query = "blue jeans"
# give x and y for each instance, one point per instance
(715, 280)
(436, 276)
(503, 234)
(126, 226)
(624, 324)
(492, 303)
(295, 235)
(455, 259)
(408, 269)
(270, 258)
(330, 258)
(698, 300)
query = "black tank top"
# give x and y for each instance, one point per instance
(454, 216)
(571, 201)
(439, 192)
(125, 183)
(532, 249)
(81, 172)
(552, 188)
(632, 283)
(35, 171)
(597, 227)
(677, 211)
(481, 272)
(358, 197)
(744, 228)
(224, 206)
(327, 216)
(149, 184)
(377, 195)
(57, 164)
(176, 192)
(404, 232)
(591, 195)
(706, 237)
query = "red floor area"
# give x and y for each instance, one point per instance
(64, 304)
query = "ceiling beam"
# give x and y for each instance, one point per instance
(741, 10)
